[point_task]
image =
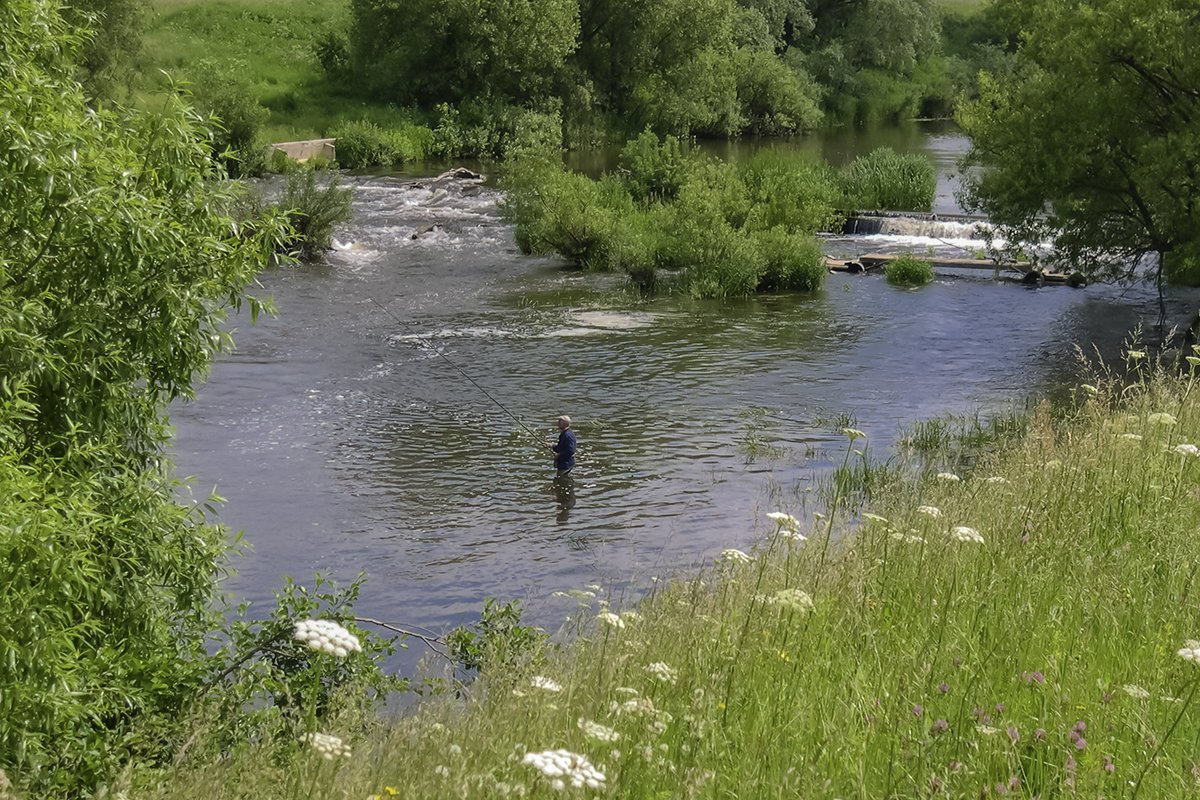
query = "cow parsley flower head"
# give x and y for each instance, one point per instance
(594, 730)
(783, 519)
(328, 745)
(1190, 651)
(609, 618)
(948, 476)
(795, 599)
(662, 672)
(1161, 418)
(1133, 437)
(328, 636)
(1135, 691)
(875, 518)
(563, 767)
(1186, 449)
(931, 511)
(735, 556)
(964, 534)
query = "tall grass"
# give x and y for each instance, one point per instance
(1020, 630)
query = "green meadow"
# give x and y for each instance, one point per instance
(270, 45)
(1024, 628)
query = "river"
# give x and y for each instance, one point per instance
(346, 438)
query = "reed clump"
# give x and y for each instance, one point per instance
(1025, 629)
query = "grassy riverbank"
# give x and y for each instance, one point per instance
(1014, 630)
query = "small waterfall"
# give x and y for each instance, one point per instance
(933, 226)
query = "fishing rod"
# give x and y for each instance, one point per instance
(460, 370)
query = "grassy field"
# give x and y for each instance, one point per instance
(269, 44)
(1023, 629)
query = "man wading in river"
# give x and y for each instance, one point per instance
(564, 449)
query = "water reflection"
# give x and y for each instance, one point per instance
(564, 494)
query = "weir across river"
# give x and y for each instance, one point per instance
(1014, 272)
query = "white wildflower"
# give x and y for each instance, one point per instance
(641, 706)
(910, 538)
(594, 730)
(593, 587)
(997, 479)
(626, 690)
(563, 765)
(542, 682)
(1135, 691)
(609, 618)
(662, 672)
(1186, 450)
(796, 599)
(869, 517)
(964, 534)
(630, 616)
(735, 556)
(948, 476)
(1161, 418)
(932, 511)
(1190, 651)
(1133, 437)
(441, 770)
(987, 730)
(326, 635)
(328, 745)
(784, 520)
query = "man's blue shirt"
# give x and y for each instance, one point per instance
(565, 450)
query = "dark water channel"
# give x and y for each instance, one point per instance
(344, 443)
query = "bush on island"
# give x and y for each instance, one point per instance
(908, 270)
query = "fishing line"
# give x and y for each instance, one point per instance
(420, 339)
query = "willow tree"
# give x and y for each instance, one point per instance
(1094, 141)
(117, 266)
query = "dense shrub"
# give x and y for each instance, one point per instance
(885, 179)
(672, 220)
(118, 267)
(494, 130)
(908, 270)
(362, 143)
(776, 99)
(793, 262)
(313, 211)
(239, 118)
(654, 169)
(558, 211)
(795, 191)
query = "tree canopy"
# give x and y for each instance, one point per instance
(118, 263)
(706, 67)
(1094, 140)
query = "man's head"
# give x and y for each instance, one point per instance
(564, 422)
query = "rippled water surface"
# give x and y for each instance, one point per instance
(346, 435)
